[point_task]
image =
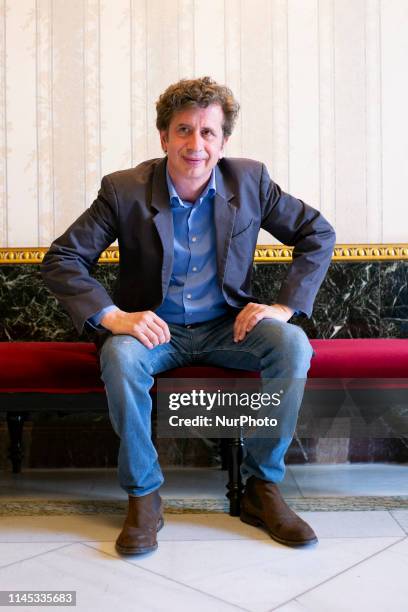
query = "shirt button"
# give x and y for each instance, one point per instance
(194, 268)
(194, 239)
(188, 296)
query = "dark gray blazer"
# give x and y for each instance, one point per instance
(133, 207)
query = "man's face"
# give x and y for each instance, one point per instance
(194, 143)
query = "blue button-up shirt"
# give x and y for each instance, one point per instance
(194, 294)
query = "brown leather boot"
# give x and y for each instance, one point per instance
(143, 521)
(262, 505)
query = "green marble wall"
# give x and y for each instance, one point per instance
(356, 300)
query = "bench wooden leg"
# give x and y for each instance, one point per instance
(224, 450)
(15, 424)
(234, 486)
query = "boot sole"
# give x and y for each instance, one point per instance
(137, 550)
(256, 522)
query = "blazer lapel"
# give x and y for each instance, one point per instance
(224, 218)
(163, 220)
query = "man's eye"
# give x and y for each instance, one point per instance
(207, 133)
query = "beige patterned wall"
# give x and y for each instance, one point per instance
(322, 85)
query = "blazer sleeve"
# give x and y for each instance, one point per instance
(67, 266)
(297, 224)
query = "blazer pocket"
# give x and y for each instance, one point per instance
(242, 230)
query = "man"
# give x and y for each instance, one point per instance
(187, 226)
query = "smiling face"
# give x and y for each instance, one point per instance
(194, 143)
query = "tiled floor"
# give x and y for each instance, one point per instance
(212, 562)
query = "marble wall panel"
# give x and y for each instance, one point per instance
(356, 300)
(394, 290)
(347, 305)
(393, 328)
(27, 310)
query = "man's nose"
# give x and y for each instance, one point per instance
(195, 141)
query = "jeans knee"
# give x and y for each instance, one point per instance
(121, 354)
(296, 336)
(288, 340)
(295, 340)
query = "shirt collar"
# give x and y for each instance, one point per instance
(175, 199)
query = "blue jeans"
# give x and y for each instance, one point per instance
(275, 349)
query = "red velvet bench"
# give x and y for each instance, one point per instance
(62, 376)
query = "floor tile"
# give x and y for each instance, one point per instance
(294, 606)
(190, 527)
(19, 551)
(182, 527)
(258, 574)
(358, 479)
(103, 527)
(401, 516)
(353, 524)
(179, 527)
(378, 584)
(106, 583)
(69, 528)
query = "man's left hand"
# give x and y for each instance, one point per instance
(253, 313)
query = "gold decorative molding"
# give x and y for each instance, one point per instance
(264, 253)
(370, 252)
(342, 252)
(20, 255)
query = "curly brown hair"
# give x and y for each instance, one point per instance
(201, 92)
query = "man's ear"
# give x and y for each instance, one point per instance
(163, 140)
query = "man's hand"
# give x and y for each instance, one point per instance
(146, 326)
(253, 313)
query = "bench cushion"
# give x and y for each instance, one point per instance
(49, 367)
(72, 367)
(360, 358)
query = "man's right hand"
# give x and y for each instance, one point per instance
(146, 326)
